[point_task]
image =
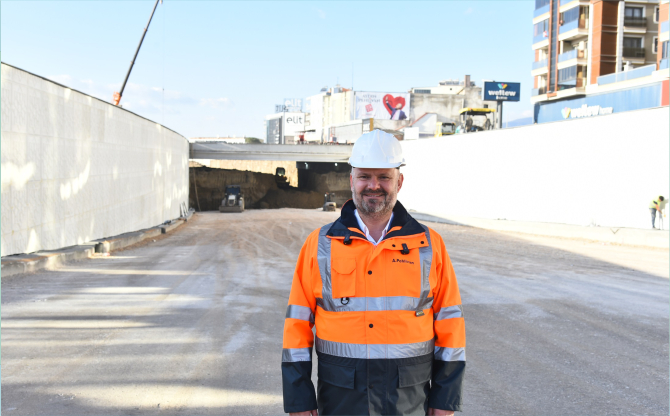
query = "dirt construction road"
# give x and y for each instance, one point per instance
(192, 324)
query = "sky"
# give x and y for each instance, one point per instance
(217, 68)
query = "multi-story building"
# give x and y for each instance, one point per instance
(597, 53)
(340, 114)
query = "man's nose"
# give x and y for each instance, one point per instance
(373, 183)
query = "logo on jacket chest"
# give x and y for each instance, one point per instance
(402, 261)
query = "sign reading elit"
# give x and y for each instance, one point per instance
(502, 91)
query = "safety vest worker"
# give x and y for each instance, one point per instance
(381, 291)
(657, 204)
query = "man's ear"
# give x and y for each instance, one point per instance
(401, 178)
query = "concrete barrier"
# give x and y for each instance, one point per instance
(598, 171)
(76, 169)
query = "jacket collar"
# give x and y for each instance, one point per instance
(401, 218)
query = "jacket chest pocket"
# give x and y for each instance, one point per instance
(344, 277)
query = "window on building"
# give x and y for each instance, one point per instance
(634, 12)
(540, 3)
(654, 47)
(632, 42)
(664, 50)
(570, 15)
(657, 11)
(541, 28)
(421, 91)
(571, 77)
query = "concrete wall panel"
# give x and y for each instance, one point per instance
(600, 171)
(75, 168)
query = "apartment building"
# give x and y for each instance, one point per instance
(605, 54)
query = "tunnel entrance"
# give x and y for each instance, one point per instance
(262, 190)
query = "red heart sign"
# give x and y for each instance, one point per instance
(392, 102)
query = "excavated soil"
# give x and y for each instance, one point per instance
(207, 188)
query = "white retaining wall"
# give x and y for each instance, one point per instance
(598, 171)
(75, 168)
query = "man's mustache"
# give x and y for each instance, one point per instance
(375, 193)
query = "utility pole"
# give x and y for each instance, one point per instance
(117, 95)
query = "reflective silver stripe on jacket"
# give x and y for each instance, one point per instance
(449, 354)
(300, 312)
(371, 351)
(291, 355)
(323, 258)
(426, 258)
(362, 304)
(450, 312)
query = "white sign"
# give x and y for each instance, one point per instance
(294, 123)
(585, 111)
(382, 105)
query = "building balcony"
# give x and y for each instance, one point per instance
(635, 21)
(540, 64)
(630, 52)
(663, 64)
(664, 26)
(640, 72)
(539, 38)
(542, 10)
(538, 91)
(574, 29)
(573, 54)
(572, 83)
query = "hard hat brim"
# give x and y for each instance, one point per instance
(376, 165)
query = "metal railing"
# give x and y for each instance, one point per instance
(635, 21)
(540, 64)
(542, 10)
(538, 91)
(573, 54)
(640, 72)
(631, 52)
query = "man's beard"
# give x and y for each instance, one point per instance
(377, 209)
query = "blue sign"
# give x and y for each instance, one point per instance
(636, 98)
(502, 91)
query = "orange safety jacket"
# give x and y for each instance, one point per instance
(390, 334)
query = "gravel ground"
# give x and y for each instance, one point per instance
(191, 323)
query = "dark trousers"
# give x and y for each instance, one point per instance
(653, 217)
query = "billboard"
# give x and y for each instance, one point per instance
(502, 91)
(294, 124)
(381, 105)
(290, 105)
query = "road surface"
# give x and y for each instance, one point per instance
(192, 323)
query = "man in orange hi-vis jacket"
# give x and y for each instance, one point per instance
(382, 293)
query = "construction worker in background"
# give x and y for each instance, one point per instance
(657, 205)
(381, 290)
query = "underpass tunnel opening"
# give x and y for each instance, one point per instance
(268, 184)
(326, 177)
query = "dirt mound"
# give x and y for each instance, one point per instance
(291, 198)
(208, 185)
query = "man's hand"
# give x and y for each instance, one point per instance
(313, 413)
(439, 412)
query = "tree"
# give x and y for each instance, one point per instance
(252, 140)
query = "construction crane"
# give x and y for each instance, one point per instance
(116, 98)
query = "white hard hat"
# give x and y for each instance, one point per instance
(377, 150)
